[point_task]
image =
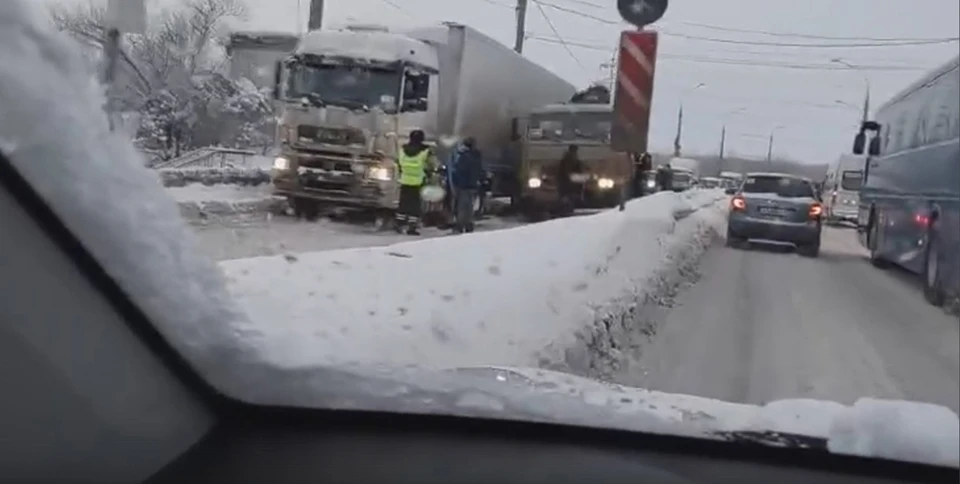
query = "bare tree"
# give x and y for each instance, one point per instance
(171, 73)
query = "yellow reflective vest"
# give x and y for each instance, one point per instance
(413, 169)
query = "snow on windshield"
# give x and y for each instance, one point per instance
(357, 294)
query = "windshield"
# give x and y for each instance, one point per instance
(336, 84)
(782, 186)
(433, 280)
(570, 126)
(850, 180)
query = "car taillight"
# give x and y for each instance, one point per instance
(922, 220)
(816, 210)
(738, 203)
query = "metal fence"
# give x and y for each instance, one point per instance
(210, 157)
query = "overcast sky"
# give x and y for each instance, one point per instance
(797, 88)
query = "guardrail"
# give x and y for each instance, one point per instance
(209, 157)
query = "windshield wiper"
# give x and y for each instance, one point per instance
(313, 99)
(349, 104)
(773, 439)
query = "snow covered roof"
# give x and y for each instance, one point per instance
(372, 45)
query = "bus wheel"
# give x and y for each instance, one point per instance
(875, 258)
(932, 280)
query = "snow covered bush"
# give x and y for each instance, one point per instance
(173, 77)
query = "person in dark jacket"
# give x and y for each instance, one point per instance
(665, 177)
(641, 164)
(466, 179)
(569, 165)
(414, 163)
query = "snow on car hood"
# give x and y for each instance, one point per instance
(886, 429)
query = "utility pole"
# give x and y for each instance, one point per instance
(521, 26)
(315, 19)
(676, 140)
(770, 149)
(723, 140)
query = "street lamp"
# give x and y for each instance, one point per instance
(770, 142)
(866, 84)
(676, 139)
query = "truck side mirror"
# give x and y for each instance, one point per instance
(874, 148)
(277, 76)
(858, 143)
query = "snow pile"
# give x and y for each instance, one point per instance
(200, 202)
(531, 296)
(886, 429)
(899, 430)
(179, 177)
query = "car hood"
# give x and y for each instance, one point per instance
(887, 429)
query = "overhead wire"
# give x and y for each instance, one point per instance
(560, 39)
(805, 36)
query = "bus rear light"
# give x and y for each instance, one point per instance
(738, 203)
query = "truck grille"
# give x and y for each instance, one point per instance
(331, 136)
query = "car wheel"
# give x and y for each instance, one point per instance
(872, 243)
(932, 284)
(734, 240)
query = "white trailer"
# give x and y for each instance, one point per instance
(351, 97)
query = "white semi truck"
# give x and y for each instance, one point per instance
(349, 99)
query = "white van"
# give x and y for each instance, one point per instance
(841, 189)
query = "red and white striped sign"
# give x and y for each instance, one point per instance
(634, 92)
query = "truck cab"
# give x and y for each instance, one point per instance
(550, 131)
(348, 100)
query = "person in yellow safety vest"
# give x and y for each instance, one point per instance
(415, 164)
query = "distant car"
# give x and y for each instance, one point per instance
(682, 179)
(777, 207)
(710, 182)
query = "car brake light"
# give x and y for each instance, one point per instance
(921, 220)
(816, 210)
(738, 203)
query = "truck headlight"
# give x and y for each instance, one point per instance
(281, 163)
(534, 182)
(605, 183)
(379, 173)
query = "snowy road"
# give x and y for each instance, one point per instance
(256, 236)
(768, 324)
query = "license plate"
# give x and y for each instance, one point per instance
(777, 212)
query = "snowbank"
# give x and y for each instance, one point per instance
(533, 296)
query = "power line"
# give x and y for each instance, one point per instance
(891, 43)
(557, 34)
(742, 62)
(809, 36)
(823, 45)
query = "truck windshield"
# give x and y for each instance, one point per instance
(850, 180)
(343, 85)
(570, 126)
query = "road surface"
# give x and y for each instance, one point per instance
(762, 325)
(271, 235)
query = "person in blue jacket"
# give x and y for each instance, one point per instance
(466, 175)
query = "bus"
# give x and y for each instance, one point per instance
(909, 210)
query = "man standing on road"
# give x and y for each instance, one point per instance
(414, 165)
(569, 165)
(641, 164)
(466, 178)
(665, 177)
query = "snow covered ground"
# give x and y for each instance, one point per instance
(536, 296)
